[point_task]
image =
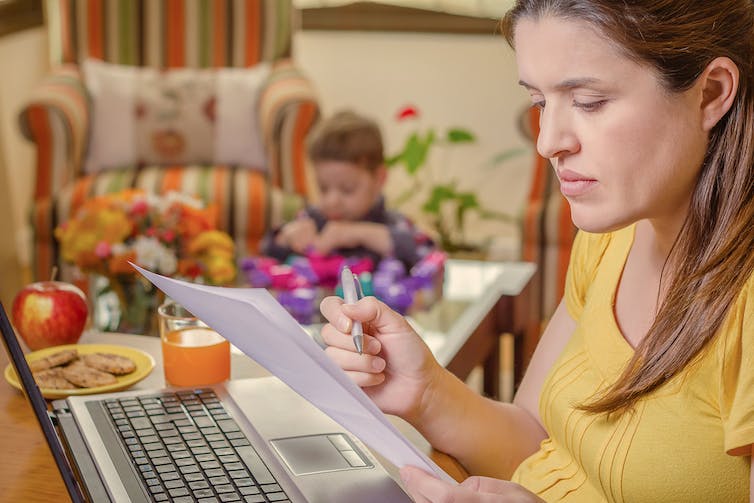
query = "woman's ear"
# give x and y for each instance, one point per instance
(719, 89)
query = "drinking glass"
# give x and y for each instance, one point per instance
(192, 353)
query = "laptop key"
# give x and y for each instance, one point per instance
(215, 472)
(249, 490)
(221, 480)
(179, 491)
(198, 484)
(255, 465)
(276, 496)
(238, 474)
(170, 476)
(160, 497)
(229, 497)
(208, 500)
(192, 477)
(228, 425)
(174, 484)
(203, 493)
(227, 488)
(270, 488)
(254, 498)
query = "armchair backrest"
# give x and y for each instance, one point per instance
(170, 33)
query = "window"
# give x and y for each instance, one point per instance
(17, 15)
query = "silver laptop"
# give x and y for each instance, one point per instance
(249, 440)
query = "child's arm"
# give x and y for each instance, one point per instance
(340, 234)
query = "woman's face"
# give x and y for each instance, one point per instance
(624, 149)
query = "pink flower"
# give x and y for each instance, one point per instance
(407, 112)
(140, 207)
(168, 235)
(102, 250)
(151, 232)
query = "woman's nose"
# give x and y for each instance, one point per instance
(556, 135)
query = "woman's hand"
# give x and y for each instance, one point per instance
(425, 488)
(397, 370)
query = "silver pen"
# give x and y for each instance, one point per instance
(351, 294)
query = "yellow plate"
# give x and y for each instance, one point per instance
(144, 365)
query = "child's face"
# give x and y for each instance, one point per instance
(347, 190)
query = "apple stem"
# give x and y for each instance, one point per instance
(54, 273)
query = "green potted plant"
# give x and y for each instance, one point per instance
(444, 204)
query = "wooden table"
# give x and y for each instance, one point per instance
(28, 472)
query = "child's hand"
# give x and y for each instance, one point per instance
(298, 235)
(337, 234)
(340, 234)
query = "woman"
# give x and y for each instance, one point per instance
(642, 387)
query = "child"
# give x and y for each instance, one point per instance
(351, 219)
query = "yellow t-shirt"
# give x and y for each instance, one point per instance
(673, 446)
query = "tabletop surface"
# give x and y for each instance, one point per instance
(471, 289)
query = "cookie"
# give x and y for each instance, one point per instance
(108, 362)
(55, 359)
(52, 379)
(84, 376)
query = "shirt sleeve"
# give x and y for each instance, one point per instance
(737, 407)
(586, 253)
(409, 243)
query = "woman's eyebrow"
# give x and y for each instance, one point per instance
(566, 84)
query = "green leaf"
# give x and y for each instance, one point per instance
(459, 135)
(503, 156)
(415, 153)
(466, 201)
(439, 194)
(393, 160)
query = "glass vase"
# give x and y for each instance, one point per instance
(125, 304)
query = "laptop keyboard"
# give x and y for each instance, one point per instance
(187, 448)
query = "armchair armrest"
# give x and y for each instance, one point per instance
(288, 109)
(56, 118)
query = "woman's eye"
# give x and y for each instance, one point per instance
(590, 106)
(538, 104)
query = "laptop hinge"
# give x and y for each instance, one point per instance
(78, 454)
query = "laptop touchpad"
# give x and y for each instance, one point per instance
(320, 453)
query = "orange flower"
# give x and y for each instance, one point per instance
(119, 264)
(169, 235)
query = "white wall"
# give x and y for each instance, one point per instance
(23, 62)
(454, 80)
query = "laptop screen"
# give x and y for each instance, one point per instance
(39, 405)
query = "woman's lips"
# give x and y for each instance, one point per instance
(573, 184)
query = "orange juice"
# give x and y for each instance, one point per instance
(195, 356)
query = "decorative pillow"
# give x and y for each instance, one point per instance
(178, 116)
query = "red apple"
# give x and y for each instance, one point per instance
(49, 313)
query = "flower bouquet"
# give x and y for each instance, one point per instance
(173, 235)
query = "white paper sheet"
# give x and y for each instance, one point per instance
(253, 321)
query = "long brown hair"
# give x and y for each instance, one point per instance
(713, 254)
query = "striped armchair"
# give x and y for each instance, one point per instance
(169, 34)
(547, 235)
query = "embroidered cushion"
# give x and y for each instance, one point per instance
(170, 117)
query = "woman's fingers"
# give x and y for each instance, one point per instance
(380, 317)
(349, 360)
(335, 338)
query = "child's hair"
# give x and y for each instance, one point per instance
(347, 137)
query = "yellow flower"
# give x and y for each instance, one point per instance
(211, 241)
